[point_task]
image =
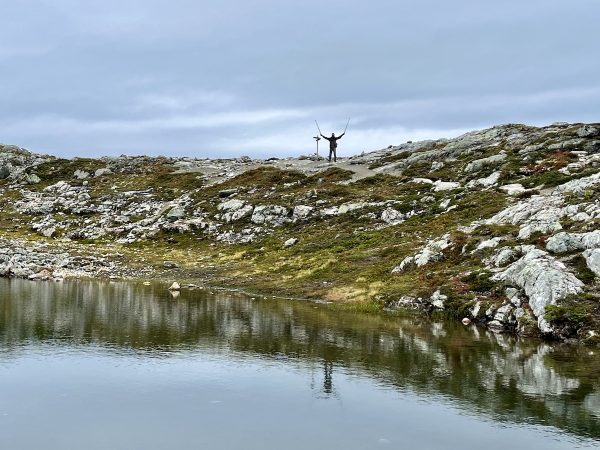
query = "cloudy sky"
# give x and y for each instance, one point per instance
(248, 77)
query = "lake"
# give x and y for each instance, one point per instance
(101, 365)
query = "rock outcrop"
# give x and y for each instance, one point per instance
(495, 225)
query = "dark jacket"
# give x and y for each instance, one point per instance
(333, 140)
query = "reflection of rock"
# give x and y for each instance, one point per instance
(437, 358)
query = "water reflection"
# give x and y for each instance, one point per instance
(495, 375)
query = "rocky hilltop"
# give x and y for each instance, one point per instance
(498, 227)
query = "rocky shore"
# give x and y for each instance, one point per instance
(497, 227)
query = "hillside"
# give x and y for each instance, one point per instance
(499, 226)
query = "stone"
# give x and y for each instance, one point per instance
(239, 214)
(489, 243)
(270, 215)
(437, 299)
(567, 242)
(348, 207)
(102, 172)
(587, 131)
(31, 178)
(592, 259)
(513, 189)
(176, 213)
(301, 212)
(503, 257)
(175, 286)
(231, 205)
(466, 321)
(475, 310)
(81, 174)
(486, 182)
(290, 242)
(479, 164)
(544, 279)
(5, 170)
(433, 251)
(170, 264)
(392, 216)
(440, 186)
(422, 181)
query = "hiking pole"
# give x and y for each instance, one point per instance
(347, 125)
(318, 127)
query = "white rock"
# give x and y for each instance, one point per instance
(177, 212)
(422, 181)
(433, 251)
(438, 299)
(301, 212)
(567, 242)
(490, 243)
(290, 242)
(587, 131)
(102, 172)
(270, 215)
(488, 181)
(579, 186)
(347, 207)
(478, 164)
(81, 174)
(592, 258)
(503, 257)
(392, 216)
(440, 186)
(544, 280)
(175, 286)
(513, 189)
(231, 205)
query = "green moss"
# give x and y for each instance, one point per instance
(481, 283)
(333, 174)
(582, 270)
(573, 312)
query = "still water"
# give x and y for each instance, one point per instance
(92, 365)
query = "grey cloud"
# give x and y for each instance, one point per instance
(230, 77)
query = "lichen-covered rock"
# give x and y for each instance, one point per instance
(440, 186)
(290, 242)
(270, 214)
(544, 279)
(433, 251)
(485, 182)
(437, 299)
(513, 189)
(567, 242)
(392, 216)
(301, 212)
(592, 259)
(479, 164)
(81, 174)
(175, 213)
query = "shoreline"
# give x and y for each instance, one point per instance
(499, 227)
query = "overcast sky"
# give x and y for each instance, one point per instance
(248, 77)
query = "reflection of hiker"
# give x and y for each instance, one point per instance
(333, 144)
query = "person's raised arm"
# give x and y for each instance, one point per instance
(340, 136)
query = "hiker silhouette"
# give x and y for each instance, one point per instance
(333, 144)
